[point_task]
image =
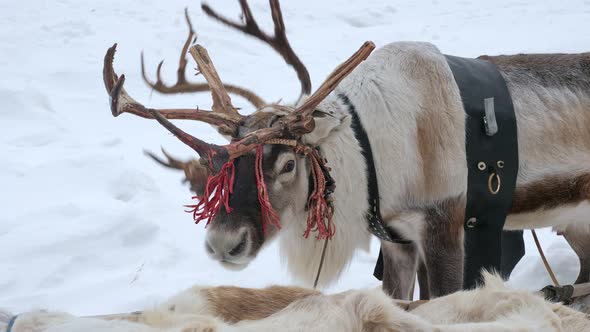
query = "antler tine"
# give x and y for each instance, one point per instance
(335, 78)
(182, 85)
(221, 99)
(180, 72)
(171, 161)
(283, 43)
(278, 42)
(178, 87)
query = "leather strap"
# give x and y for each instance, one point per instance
(374, 220)
(492, 161)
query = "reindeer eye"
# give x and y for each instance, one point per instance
(289, 167)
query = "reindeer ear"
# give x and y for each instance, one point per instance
(328, 121)
(197, 175)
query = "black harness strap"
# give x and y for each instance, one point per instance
(374, 220)
(492, 162)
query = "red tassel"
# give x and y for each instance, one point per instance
(220, 186)
(319, 216)
(269, 215)
(217, 192)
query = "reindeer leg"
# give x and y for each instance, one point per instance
(400, 262)
(443, 246)
(444, 260)
(578, 238)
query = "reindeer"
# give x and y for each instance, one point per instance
(283, 160)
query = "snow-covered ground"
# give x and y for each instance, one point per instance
(89, 225)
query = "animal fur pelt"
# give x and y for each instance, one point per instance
(493, 307)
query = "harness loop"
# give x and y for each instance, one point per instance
(490, 184)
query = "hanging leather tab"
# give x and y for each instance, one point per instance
(489, 119)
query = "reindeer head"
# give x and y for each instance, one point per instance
(270, 169)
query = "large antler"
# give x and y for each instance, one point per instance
(183, 86)
(121, 102)
(223, 115)
(295, 124)
(278, 42)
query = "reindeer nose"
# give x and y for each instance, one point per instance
(239, 248)
(209, 248)
(227, 247)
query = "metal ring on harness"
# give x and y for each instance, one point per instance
(497, 190)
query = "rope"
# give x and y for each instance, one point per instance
(545, 262)
(317, 277)
(268, 214)
(412, 289)
(320, 207)
(11, 323)
(216, 195)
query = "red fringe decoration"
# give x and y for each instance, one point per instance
(217, 192)
(220, 186)
(269, 215)
(319, 216)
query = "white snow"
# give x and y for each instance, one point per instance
(89, 225)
